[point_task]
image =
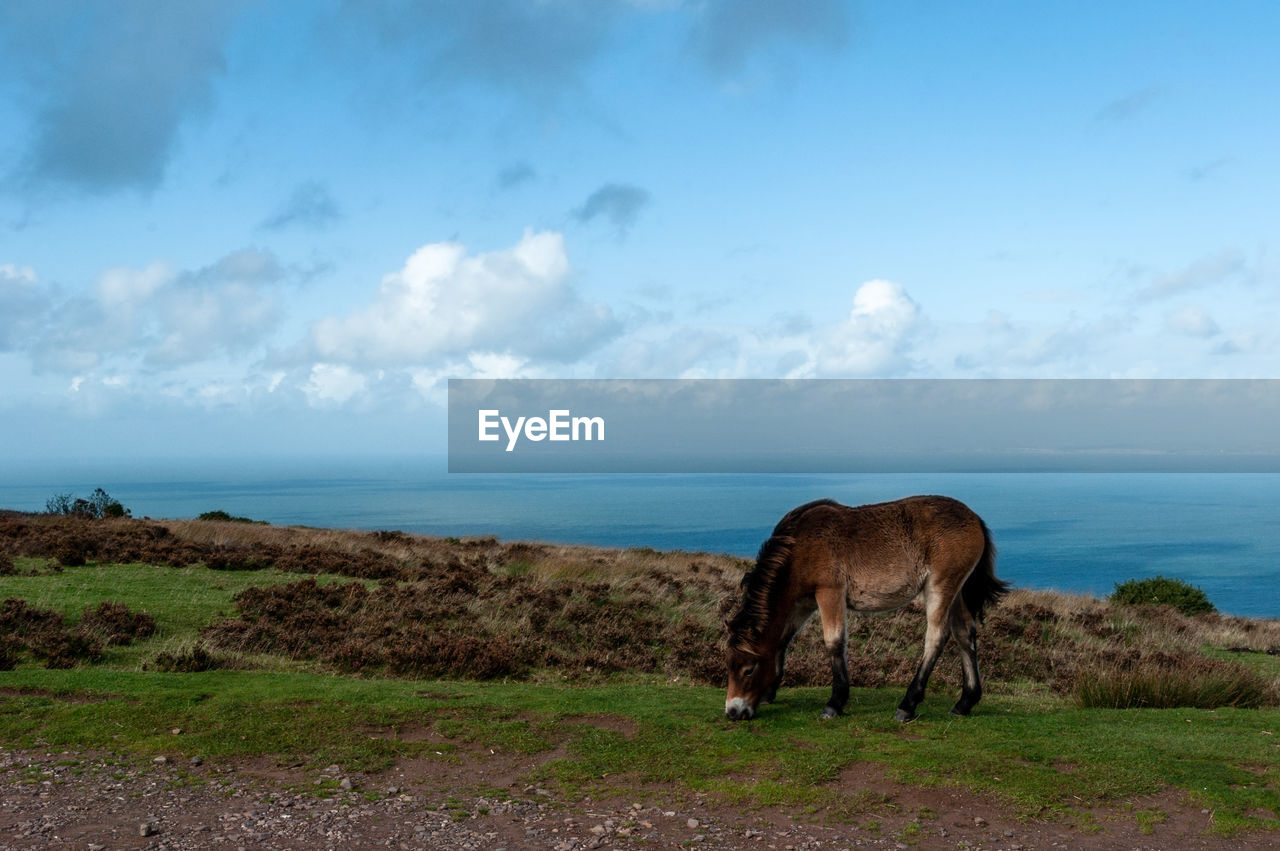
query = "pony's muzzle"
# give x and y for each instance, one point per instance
(738, 710)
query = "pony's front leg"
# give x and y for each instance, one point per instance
(780, 662)
(831, 604)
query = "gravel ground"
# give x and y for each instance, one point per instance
(97, 801)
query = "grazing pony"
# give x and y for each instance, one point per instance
(828, 557)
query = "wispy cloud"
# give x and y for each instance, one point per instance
(727, 33)
(619, 204)
(1227, 266)
(311, 205)
(1204, 171)
(1129, 106)
(1192, 321)
(515, 175)
(539, 49)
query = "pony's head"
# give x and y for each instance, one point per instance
(751, 680)
(754, 661)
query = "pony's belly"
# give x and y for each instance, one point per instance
(867, 600)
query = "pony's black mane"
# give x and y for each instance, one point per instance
(763, 584)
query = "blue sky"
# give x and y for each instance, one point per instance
(280, 227)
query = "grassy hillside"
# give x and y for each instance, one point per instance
(334, 641)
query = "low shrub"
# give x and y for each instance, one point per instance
(45, 634)
(221, 516)
(115, 624)
(72, 551)
(10, 651)
(38, 631)
(69, 648)
(1163, 591)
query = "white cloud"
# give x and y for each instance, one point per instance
(10, 273)
(201, 320)
(162, 317)
(332, 384)
(1192, 321)
(876, 337)
(490, 365)
(22, 305)
(445, 303)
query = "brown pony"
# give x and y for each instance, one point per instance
(827, 557)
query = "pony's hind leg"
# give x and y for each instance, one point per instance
(965, 629)
(831, 604)
(935, 639)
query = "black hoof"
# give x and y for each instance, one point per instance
(904, 716)
(961, 711)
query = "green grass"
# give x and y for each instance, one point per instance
(181, 599)
(1043, 755)
(1045, 761)
(1264, 663)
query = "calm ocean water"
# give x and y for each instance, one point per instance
(1080, 532)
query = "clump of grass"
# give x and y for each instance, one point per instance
(1163, 591)
(192, 660)
(1157, 683)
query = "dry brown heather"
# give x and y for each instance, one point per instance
(480, 608)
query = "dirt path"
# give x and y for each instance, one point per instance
(94, 801)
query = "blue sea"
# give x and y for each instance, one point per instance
(1079, 532)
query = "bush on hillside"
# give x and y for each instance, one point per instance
(98, 506)
(221, 516)
(1163, 591)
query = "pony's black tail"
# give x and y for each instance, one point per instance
(982, 587)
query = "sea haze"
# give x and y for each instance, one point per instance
(1079, 532)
